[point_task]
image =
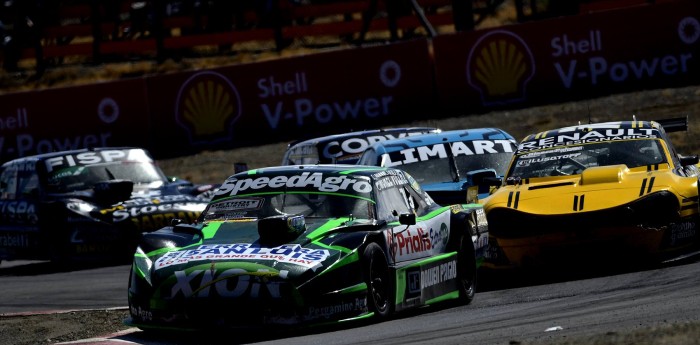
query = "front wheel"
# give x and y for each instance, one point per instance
(380, 297)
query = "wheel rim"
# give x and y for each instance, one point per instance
(378, 285)
(468, 280)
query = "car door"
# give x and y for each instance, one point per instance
(19, 204)
(407, 242)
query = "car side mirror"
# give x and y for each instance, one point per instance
(688, 160)
(280, 229)
(407, 219)
(492, 181)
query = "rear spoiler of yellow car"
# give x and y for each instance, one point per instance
(676, 124)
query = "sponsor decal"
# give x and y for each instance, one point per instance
(207, 106)
(236, 205)
(306, 180)
(481, 245)
(409, 243)
(594, 135)
(527, 162)
(438, 274)
(440, 236)
(499, 66)
(29, 166)
(481, 221)
(439, 151)
(233, 282)
(356, 146)
(157, 221)
(294, 254)
(581, 58)
(18, 211)
(14, 240)
(96, 157)
(560, 150)
(141, 313)
(121, 212)
(389, 181)
(148, 214)
(413, 283)
(682, 231)
(343, 307)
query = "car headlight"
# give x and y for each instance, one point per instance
(142, 265)
(81, 207)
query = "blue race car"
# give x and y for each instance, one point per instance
(89, 204)
(447, 164)
(344, 148)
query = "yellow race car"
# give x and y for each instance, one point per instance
(590, 193)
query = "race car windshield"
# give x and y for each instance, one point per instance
(311, 205)
(573, 160)
(497, 161)
(431, 171)
(83, 177)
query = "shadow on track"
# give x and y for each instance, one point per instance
(34, 268)
(490, 280)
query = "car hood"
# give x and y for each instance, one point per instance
(596, 188)
(225, 251)
(145, 210)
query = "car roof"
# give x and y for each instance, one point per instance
(442, 137)
(585, 128)
(361, 133)
(44, 156)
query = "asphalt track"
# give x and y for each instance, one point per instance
(549, 308)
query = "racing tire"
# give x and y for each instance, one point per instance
(466, 270)
(380, 290)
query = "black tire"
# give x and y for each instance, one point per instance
(466, 269)
(380, 287)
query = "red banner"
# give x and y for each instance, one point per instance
(291, 98)
(109, 114)
(572, 57)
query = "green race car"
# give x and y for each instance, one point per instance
(307, 244)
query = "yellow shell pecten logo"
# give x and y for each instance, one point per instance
(500, 65)
(207, 106)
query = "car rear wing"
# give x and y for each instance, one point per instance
(676, 124)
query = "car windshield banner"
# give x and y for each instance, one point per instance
(440, 151)
(303, 182)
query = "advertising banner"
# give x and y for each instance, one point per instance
(567, 58)
(291, 98)
(108, 114)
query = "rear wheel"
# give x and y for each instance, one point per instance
(380, 298)
(466, 268)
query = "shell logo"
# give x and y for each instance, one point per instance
(499, 66)
(207, 105)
